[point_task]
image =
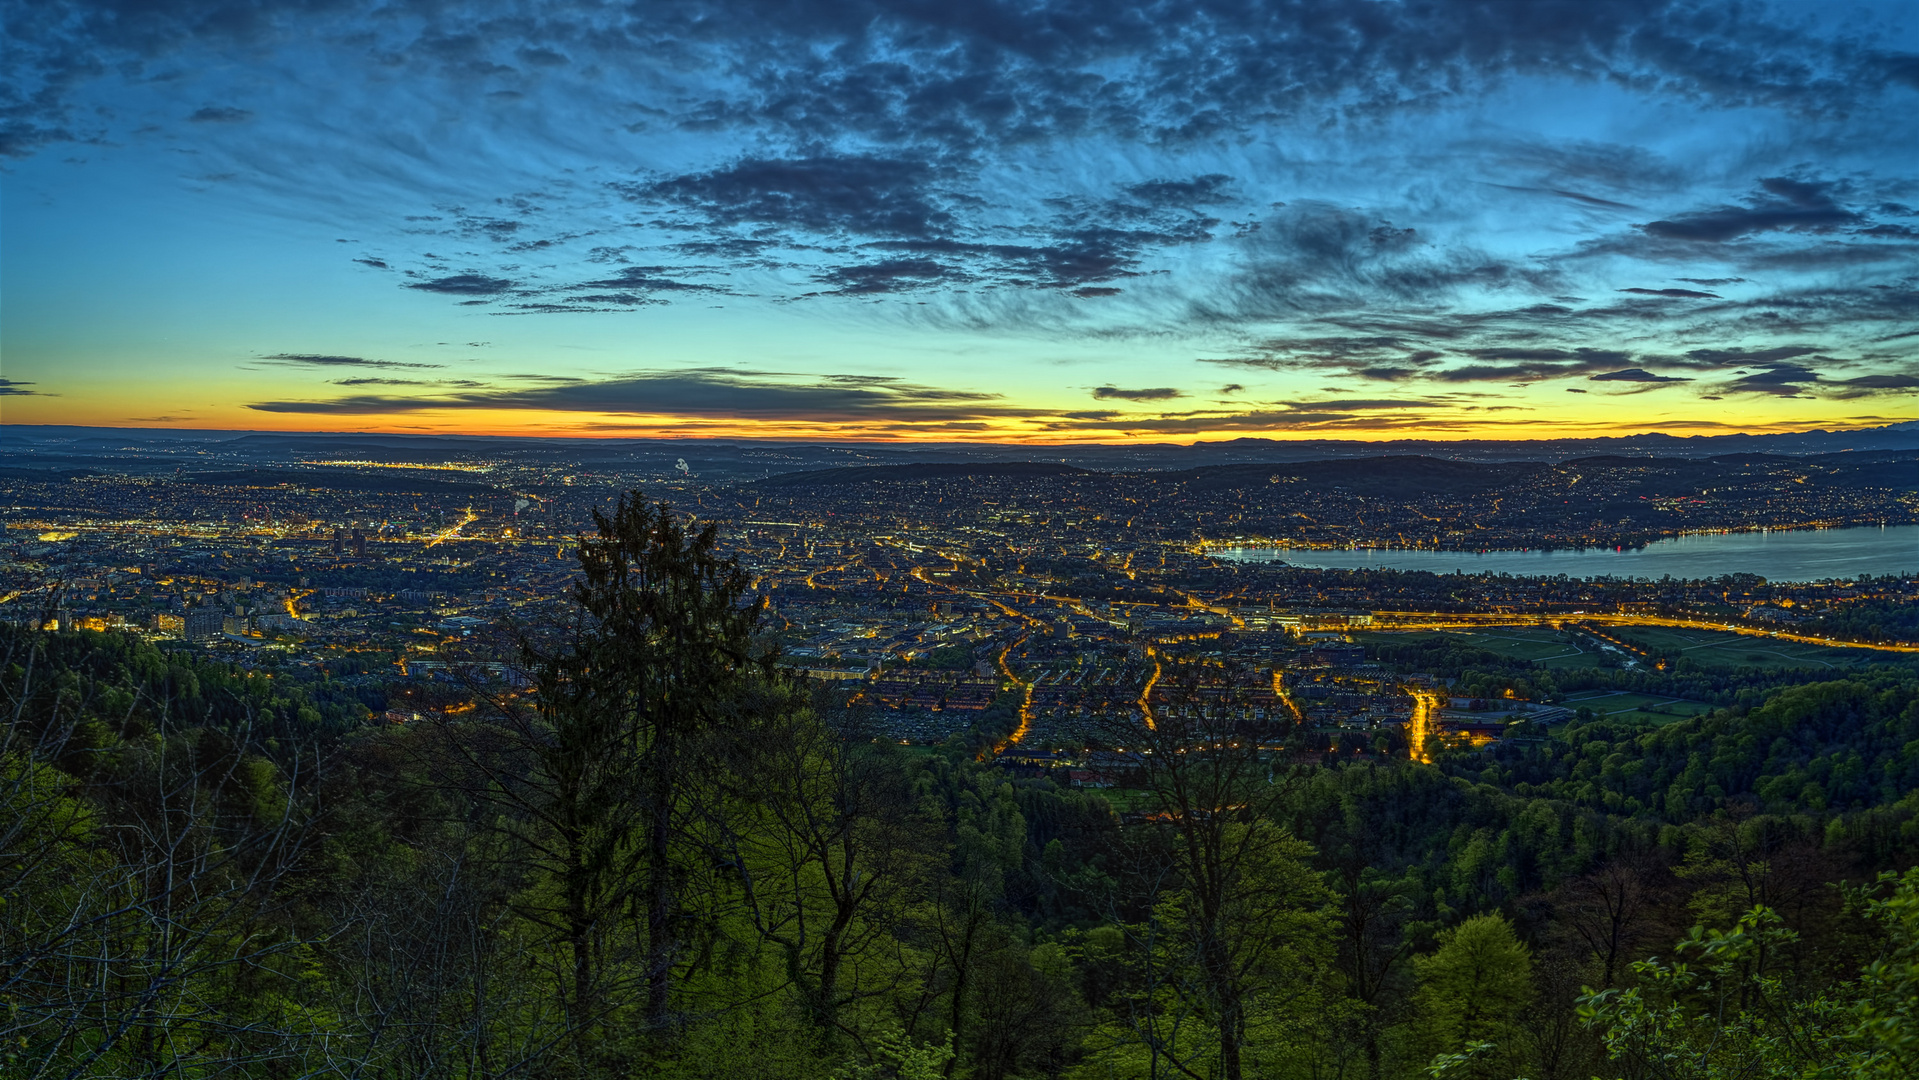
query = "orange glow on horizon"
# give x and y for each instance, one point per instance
(1039, 421)
(506, 424)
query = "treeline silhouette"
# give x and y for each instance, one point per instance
(646, 849)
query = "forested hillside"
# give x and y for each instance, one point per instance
(666, 856)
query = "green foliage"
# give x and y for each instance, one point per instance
(1721, 1016)
(1869, 620)
(1723, 1008)
(1885, 1013)
(899, 1059)
(146, 872)
(1471, 991)
(667, 858)
(1847, 744)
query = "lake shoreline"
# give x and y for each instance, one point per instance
(1798, 554)
(1207, 546)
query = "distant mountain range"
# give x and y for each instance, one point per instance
(857, 474)
(1409, 476)
(39, 449)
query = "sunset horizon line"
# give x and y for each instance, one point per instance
(1698, 430)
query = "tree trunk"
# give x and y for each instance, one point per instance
(579, 940)
(1226, 999)
(659, 913)
(961, 962)
(827, 1007)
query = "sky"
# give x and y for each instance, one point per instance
(1045, 221)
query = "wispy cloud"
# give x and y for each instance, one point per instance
(1634, 375)
(219, 114)
(467, 284)
(1783, 204)
(321, 360)
(708, 392)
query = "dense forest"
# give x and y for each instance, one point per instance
(663, 854)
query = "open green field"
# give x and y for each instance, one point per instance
(1707, 648)
(1650, 708)
(1541, 645)
(1719, 649)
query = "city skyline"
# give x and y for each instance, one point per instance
(1037, 224)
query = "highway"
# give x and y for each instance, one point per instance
(449, 533)
(1025, 700)
(1146, 694)
(1286, 698)
(1448, 620)
(1419, 731)
(294, 596)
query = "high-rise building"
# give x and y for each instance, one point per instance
(201, 623)
(359, 544)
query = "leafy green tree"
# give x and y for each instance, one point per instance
(1376, 941)
(1248, 912)
(1715, 1017)
(1233, 966)
(1471, 992)
(666, 642)
(898, 1057)
(1885, 1035)
(1609, 912)
(144, 927)
(594, 776)
(831, 848)
(1715, 1012)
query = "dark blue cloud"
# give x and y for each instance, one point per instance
(1635, 375)
(891, 275)
(468, 284)
(1209, 190)
(1783, 205)
(868, 196)
(220, 114)
(934, 235)
(321, 360)
(975, 74)
(1153, 393)
(1783, 380)
(1292, 185)
(704, 392)
(648, 280)
(1677, 294)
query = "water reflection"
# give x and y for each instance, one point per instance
(1797, 555)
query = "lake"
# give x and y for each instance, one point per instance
(1794, 555)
